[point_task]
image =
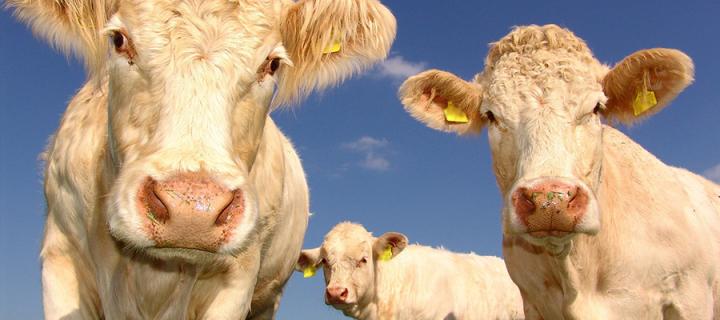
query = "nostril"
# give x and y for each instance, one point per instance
(155, 208)
(344, 294)
(234, 205)
(524, 201)
(572, 194)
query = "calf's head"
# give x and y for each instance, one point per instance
(348, 257)
(189, 88)
(542, 97)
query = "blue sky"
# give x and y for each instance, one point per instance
(366, 160)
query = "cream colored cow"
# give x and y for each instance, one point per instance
(384, 278)
(171, 193)
(595, 227)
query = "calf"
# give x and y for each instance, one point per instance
(171, 193)
(595, 227)
(369, 278)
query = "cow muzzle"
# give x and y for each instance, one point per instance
(553, 207)
(189, 210)
(337, 296)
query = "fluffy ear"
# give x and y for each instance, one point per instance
(395, 241)
(433, 96)
(330, 40)
(308, 257)
(73, 26)
(663, 72)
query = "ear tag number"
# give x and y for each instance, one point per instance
(335, 46)
(309, 271)
(386, 255)
(645, 99)
(454, 114)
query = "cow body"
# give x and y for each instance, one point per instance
(384, 278)
(429, 283)
(665, 268)
(594, 226)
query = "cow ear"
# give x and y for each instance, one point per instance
(443, 101)
(308, 258)
(73, 26)
(645, 82)
(389, 245)
(329, 41)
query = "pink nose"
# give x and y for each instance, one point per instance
(550, 208)
(336, 295)
(189, 210)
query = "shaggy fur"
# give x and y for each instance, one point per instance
(417, 283)
(647, 245)
(187, 91)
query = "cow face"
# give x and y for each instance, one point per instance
(191, 84)
(348, 257)
(542, 96)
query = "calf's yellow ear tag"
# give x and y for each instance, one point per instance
(309, 271)
(386, 255)
(335, 46)
(454, 114)
(645, 99)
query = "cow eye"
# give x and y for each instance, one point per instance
(119, 40)
(362, 262)
(598, 108)
(490, 116)
(323, 262)
(274, 65)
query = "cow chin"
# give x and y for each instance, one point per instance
(186, 230)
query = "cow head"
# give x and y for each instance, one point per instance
(348, 257)
(190, 86)
(542, 96)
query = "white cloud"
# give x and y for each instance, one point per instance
(713, 173)
(398, 68)
(365, 143)
(372, 150)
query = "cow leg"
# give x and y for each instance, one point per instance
(269, 312)
(68, 284)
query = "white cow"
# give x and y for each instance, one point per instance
(385, 278)
(595, 227)
(171, 193)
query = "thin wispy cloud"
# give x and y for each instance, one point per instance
(373, 152)
(713, 173)
(398, 68)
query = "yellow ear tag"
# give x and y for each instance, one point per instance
(309, 271)
(386, 255)
(333, 47)
(645, 99)
(454, 114)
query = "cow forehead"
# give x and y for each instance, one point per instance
(216, 31)
(347, 239)
(539, 67)
(542, 80)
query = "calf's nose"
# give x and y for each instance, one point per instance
(336, 295)
(550, 207)
(189, 210)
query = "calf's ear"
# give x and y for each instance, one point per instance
(389, 245)
(73, 26)
(443, 101)
(645, 82)
(329, 41)
(308, 258)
